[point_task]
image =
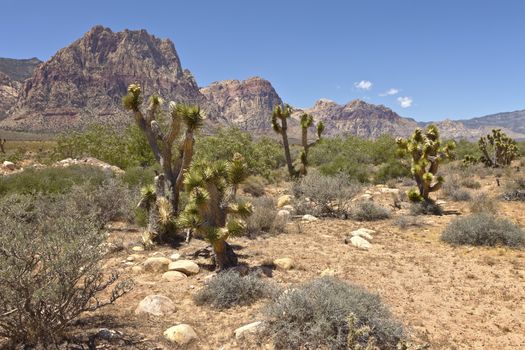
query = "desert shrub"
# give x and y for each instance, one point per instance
(453, 190)
(139, 176)
(254, 185)
(471, 183)
(316, 314)
(49, 269)
(329, 194)
(425, 208)
(482, 229)
(262, 155)
(52, 180)
(124, 149)
(408, 221)
(483, 203)
(229, 289)
(264, 218)
(393, 169)
(369, 211)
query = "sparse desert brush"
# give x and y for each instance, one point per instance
(483, 203)
(453, 190)
(407, 221)
(254, 185)
(470, 183)
(229, 289)
(264, 218)
(426, 208)
(482, 229)
(49, 269)
(318, 314)
(369, 211)
(329, 194)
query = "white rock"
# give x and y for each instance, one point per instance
(138, 248)
(360, 242)
(284, 200)
(175, 256)
(137, 269)
(9, 165)
(284, 263)
(246, 329)
(389, 190)
(156, 264)
(289, 208)
(309, 217)
(157, 305)
(172, 276)
(440, 202)
(186, 266)
(367, 196)
(283, 214)
(363, 232)
(181, 334)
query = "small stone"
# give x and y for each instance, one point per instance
(181, 334)
(283, 214)
(440, 202)
(246, 329)
(9, 165)
(309, 218)
(156, 264)
(137, 269)
(284, 263)
(175, 256)
(360, 242)
(157, 305)
(289, 208)
(133, 257)
(138, 248)
(157, 254)
(284, 200)
(367, 196)
(389, 190)
(363, 232)
(172, 276)
(186, 266)
(328, 272)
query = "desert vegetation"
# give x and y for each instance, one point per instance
(340, 253)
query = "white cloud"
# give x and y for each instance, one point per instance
(390, 92)
(364, 85)
(405, 102)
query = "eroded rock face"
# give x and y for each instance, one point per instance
(247, 104)
(8, 94)
(84, 82)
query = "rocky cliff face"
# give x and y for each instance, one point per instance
(247, 104)
(359, 118)
(8, 94)
(84, 82)
(18, 69)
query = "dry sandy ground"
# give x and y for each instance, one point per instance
(450, 298)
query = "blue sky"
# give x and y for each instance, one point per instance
(438, 59)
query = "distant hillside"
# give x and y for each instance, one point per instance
(514, 121)
(18, 70)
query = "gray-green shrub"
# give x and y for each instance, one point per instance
(316, 314)
(482, 229)
(264, 218)
(369, 211)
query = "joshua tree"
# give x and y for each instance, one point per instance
(282, 113)
(427, 153)
(498, 149)
(2, 145)
(212, 210)
(163, 200)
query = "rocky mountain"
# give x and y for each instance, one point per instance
(514, 121)
(247, 104)
(8, 94)
(18, 69)
(84, 82)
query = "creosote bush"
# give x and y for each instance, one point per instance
(229, 289)
(49, 269)
(482, 229)
(317, 314)
(483, 203)
(264, 218)
(369, 211)
(328, 195)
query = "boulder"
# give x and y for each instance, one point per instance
(172, 276)
(309, 218)
(181, 334)
(284, 200)
(284, 263)
(175, 256)
(360, 242)
(283, 214)
(289, 208)
(246, 329)
(8, 165)
(156, 264)
(157, 305)
(364, 233)
(185, 266)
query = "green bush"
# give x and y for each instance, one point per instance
(262, 155)
(315, 315)
(229, 289)
(254, 185)
(482, 229)
(49, 269)
(369, 211)
(52, 180)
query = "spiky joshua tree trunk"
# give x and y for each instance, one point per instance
(164, 198)
(280, 116)
(427, 153)
(212, 210)
(498, 149)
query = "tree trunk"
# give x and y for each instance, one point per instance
(286, 146)
(225, 257)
